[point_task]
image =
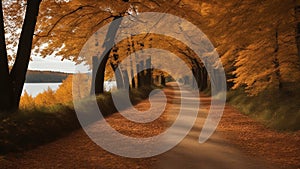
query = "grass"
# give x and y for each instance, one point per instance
(277, 110)
(26, 129)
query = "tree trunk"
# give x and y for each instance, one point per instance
(156, 79)
(117, 70)
(198, 77)
(19, 70)
(108, 44)
(138, 75)
(126, 79)
(94, 72)
(18, 73)
(204, 79)
(5, 87)
(132, 74)
(99, 79)
(148, 72)
(163, 80)
(142, 73)
(118, 76)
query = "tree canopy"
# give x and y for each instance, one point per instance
(257, 41)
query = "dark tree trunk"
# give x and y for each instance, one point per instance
(126, 79)
(95, 62)
(204, 79)
(198, 77)
(19, 70)
(156, 80)
(163, 80)
(99, 79)
(138, 75)
(118, 76)
(108, 44)
(148, 72)
(15, 82)
(132, 74)
(117, 70)
(142, 74)
(5, 87)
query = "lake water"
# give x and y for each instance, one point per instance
(34, 89)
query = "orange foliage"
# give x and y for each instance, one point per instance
(27, 101)
(63, 95)
(46, 98)
(64, 92)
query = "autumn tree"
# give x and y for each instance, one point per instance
(46, 98)
(83, 18)
(27, 101)
(64, 93)
(256, 41)
(12, 82)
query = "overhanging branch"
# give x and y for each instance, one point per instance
(61, 18)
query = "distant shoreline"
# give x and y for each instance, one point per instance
(45, 77)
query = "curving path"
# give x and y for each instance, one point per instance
(78, 151)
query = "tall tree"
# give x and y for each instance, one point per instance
(5, 90)
(13, 82)
(108, 44)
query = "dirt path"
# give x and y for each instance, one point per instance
(78, 151)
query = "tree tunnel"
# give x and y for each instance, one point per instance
(130, 44)
(132, 76)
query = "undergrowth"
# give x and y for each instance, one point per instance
(277, 110)
(28, 128)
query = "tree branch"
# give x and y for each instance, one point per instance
(61, 18)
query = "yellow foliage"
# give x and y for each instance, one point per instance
(63, 95)
(27, 101)
(64, 92)
(46, 98)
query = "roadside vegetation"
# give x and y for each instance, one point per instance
(50, 115)
(277, 110)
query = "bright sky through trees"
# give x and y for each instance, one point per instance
(52, 63)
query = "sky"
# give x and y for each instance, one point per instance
(52, 63)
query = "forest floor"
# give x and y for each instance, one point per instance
(238, 143)
(254, 138)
